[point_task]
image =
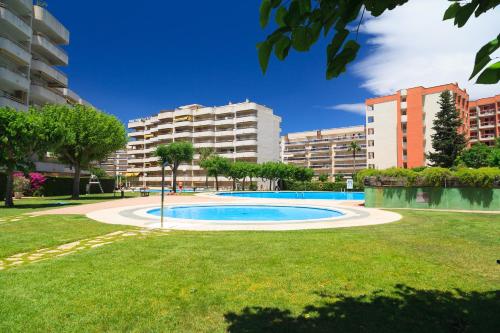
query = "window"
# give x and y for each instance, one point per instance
(371, 143)
(371, 131)
(369, 108)
(371, 155)
(371, 119)
(371, 166)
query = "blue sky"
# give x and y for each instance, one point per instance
(132, 60)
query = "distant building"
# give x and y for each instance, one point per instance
(241, 132)
(484, 120)
(399, 126)
(326, 151)
(116, 164)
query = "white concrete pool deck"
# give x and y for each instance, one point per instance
(132, 212)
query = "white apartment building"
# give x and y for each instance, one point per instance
(116, 164)
(326, 151)
(244, 131)
(30, 54)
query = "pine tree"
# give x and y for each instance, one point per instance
(447, 142)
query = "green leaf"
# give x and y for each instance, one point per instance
(282, 47)
(451, 12)
(338, 64)
(293, 17)
(265, 49)
(305, 6)
(483, 55)
(301, 39)
(265, 12)
(464, 13)
(280, 16)
(490, 75)
(336, 43)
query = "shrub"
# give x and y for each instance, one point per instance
(434, 176)
(482, 177)
(36, 180)
(21, 183)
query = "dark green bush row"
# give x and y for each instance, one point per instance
(64, 186)
(436, 177)
(314, 186)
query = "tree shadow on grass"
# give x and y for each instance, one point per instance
(405, 310)
(40, 206)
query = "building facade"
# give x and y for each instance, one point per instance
(399, 126)
(326, 151)
(241, 132)
(116, 164)
(484, 120)
(30, 54)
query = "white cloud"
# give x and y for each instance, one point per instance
(357, 108)
(412, 46)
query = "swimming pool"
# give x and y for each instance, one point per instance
(298, 195)
(246, 213)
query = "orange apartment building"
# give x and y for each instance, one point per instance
(399, 126)
(484, 120)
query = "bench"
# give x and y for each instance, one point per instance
(144, 192)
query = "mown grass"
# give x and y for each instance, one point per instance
(27, 205)
(432, 271)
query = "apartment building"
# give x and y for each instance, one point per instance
(116, 164)
(30, 54)
(326, 151)
(241, 132)
(399, 126)
(484, 120)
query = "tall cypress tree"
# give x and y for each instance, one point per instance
(447, 142)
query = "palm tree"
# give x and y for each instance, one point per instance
(354, 147)
(205, 154)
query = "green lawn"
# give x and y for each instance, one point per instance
(27, 205)
(430, 272)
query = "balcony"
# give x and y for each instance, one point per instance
(205, 122)
(224, 133)
(487, 113)
(248, 130)
(184, 124)
(7, 99)
(49, 50)
(246, 119)
(12, 25)
(204, 145)
(202, 134)
(245, 154)
(487, 125)
(42, 95)
(44, 22)
(220, 122)
(224, 144)
(183, 135)
(15, 51)
(242, 143)
(54, 77)
(165, 126)
(13, 80)
(71, 96)
(22, 7)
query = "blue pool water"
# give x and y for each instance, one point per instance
(246, 213)
(298, 195)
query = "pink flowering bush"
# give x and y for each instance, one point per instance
(36, 180)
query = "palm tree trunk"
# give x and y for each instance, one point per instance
(9, 189)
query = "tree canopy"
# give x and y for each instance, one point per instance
(300, 23)
(174, 155)
(22, 135)
(84, 135)
(447, 142)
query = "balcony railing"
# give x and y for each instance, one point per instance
(16, 50)
(56, 55)
(44, 22)
(12, 24)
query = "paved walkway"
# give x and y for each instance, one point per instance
(73, 247)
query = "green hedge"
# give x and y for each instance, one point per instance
(431, 177)
(64, 186)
